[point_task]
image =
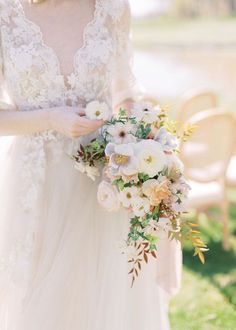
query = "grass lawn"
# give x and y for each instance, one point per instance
(207, 300)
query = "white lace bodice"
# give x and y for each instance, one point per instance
(32, 70)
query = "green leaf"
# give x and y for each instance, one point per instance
(152, 239)
(134, 221)
(119, 183)
(122, 112)
(143, 177)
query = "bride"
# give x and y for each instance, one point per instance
(60, 263)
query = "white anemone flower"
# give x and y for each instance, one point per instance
(127, 196)
(122, 159)
(146, 112)
(96, 110)
(121, 133)
(151, 157)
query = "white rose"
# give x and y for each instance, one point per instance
(108, 196)
(151, 157)
(96, 110)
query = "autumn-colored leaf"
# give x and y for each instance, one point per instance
(201, 257)
(133, 279)
(153, 253)
(192, 224)
(196, 232)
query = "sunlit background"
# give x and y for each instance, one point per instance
(185, 57)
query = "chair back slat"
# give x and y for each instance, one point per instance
(207, 153)
(194, 102)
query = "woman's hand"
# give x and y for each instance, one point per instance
(71, 122)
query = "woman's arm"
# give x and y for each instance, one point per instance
(66, 120)
(23, 122)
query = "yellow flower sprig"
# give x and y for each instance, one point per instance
(190, 233)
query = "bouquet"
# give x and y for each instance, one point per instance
(136, 153)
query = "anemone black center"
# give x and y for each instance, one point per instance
(122, 134)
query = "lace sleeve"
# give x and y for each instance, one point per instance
(4, 97)
(2, 103)
(125, 85)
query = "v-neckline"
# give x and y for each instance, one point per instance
(44, 44)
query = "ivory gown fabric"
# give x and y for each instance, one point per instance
(60, 265)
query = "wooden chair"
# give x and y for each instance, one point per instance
(194, 102)
(206, 156)
(231, 172)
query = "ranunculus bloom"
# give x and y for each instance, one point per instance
(122, 159)
(156, 191)
(151, 157)
(96, 110)
(108, 196)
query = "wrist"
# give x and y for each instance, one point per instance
(49, 118)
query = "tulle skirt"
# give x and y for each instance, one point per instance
(60, 263)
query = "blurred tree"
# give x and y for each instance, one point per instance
(192, 8)
(232, 6)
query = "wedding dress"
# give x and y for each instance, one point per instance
(60, 263)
